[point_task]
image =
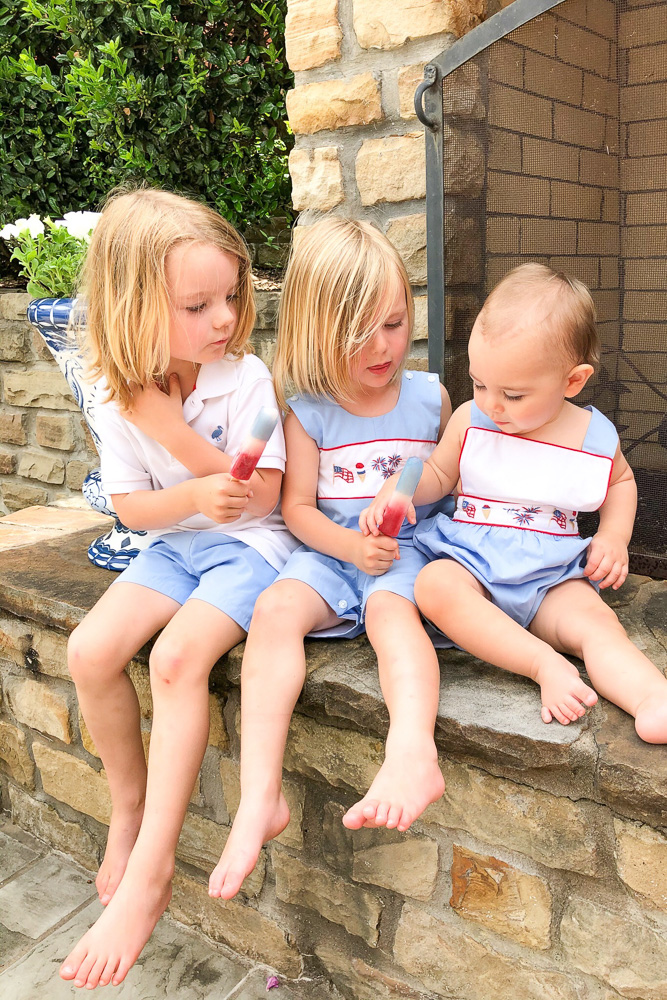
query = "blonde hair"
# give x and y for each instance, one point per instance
(124, 320)
(569, 311)
(332, 304)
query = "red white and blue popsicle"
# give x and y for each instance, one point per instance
(397, 508)
(263, 427)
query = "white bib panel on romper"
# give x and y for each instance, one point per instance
(356, 455)
(515, 524)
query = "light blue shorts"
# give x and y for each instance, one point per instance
(205, 565)
(346, 589)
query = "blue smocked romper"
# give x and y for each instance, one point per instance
(356, 455)
(515, 524)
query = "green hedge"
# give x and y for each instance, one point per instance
(189, 96)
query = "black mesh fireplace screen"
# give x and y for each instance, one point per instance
(546, 140)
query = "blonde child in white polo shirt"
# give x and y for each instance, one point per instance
(169, 309)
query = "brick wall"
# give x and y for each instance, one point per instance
(643, 183)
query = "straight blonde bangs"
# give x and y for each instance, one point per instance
(123, 322)
(335, 297)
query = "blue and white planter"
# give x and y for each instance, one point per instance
(120, 545)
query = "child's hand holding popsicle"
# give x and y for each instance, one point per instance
(393, 504)
(263, 427)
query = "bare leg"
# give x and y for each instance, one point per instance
(456, 602)
(98, 652)
(180, 665)
(273, 672)
(410, 778)
(574, 619)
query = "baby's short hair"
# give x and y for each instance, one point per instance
(569, 311)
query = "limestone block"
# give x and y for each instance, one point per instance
(7, 462)
(382, 25)
(44, 822)
(242, 928)
(362, 981)
(409, 867)
(628, 955)
(13, 305)
(39, 347)
(55, 432)
(40, 707)
(464, 171)
(391, 169)
(312, 33)
(87, 739)
(32, 646)
(641, 857)
(17, 496)
(38, 465)
(462, 92)
(340, 756)
(334, 104)
(501, 897)
(13, 428)
(77, 472)
(408, 234)
(14, 756)
(336, 900)
(39, 388)
(13, 341)
(202, 842)
(550, 829)
(69, 780)
(292, 835)
(140, 677)
(420, 331)
(317, 178)
(452, 963)
(217, 733)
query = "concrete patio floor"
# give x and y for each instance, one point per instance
(48, 901)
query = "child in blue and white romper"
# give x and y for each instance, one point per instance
(169, 301)
(512, 581)
(344, 331)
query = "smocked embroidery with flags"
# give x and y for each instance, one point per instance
(358, 470)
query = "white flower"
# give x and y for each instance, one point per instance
(32, 225)
(79, 224)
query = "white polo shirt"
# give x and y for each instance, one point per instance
(221, 409)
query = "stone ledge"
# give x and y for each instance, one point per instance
(487, 718)
(495, 866)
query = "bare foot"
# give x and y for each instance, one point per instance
(123, 832)
(254, 825)
(651, 717)
(565, 697)
(106, 953)
(408, 781)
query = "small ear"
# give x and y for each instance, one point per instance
(577, 379)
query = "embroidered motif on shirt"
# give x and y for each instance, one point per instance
(524, 515)
(217, 434)
(340, 473)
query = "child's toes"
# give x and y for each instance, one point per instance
(558, 715)
(546, 714)
(575, 706)
(354, 817)
(405, 821)
(394, 816)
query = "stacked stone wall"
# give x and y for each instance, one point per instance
(359, 146)
(540, 874)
